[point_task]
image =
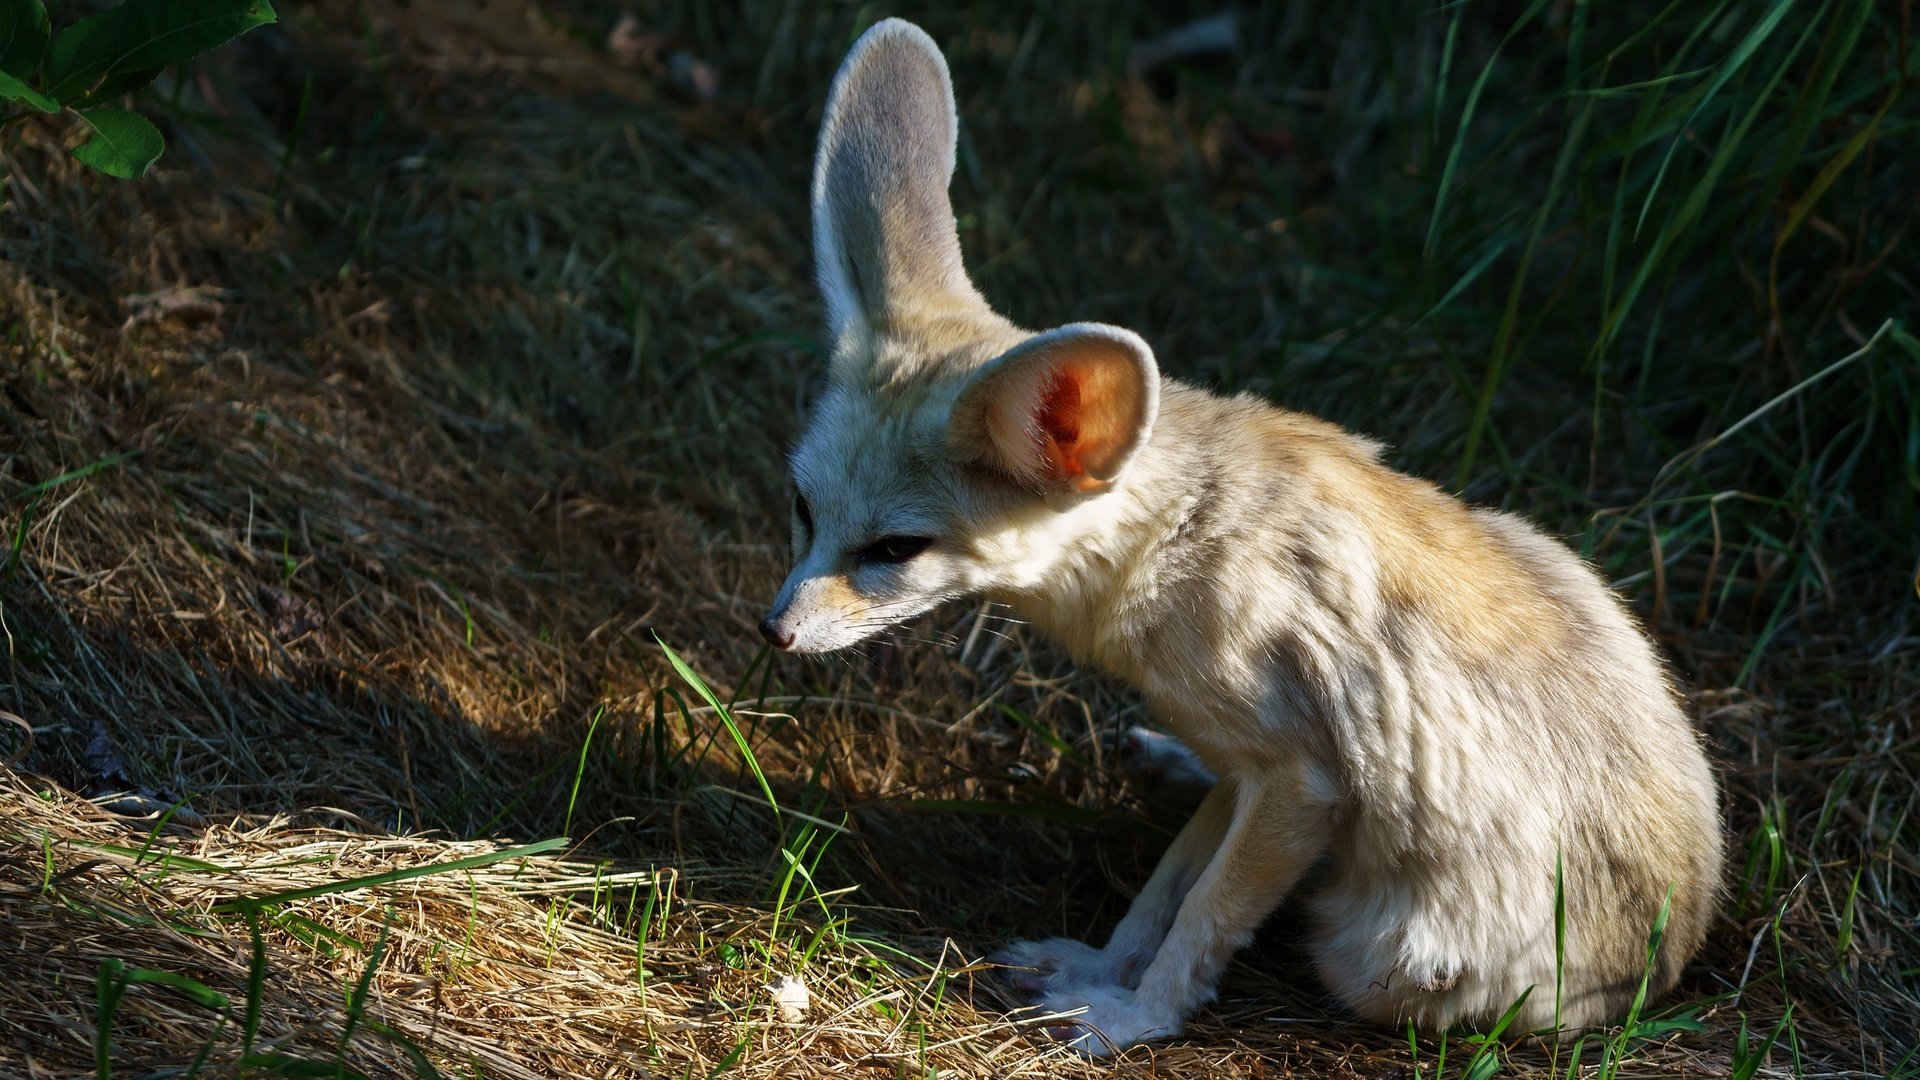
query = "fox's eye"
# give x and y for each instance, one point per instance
(893, 549)
(801, 511)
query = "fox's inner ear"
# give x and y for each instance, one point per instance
(1065, 411)
(885, 247)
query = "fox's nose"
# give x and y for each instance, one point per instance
(780, 639)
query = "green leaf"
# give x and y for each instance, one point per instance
(124, 144)
(12, 89)
(23, 38)
(118, 84)
(74, 41)
(142, 35)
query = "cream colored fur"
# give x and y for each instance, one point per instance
(1440, 701)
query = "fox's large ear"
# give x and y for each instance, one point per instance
(1065, 411)
(884, 242)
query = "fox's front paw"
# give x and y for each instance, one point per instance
(1098, 1021)
(1037, 968)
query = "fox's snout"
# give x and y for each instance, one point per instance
(781, 627)
(817, 613)
(777, 635)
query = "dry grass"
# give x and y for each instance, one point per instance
(356, 458)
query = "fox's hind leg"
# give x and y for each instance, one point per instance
(1063, 964)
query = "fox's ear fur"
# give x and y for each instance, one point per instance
(1065, 411)
(884, 243)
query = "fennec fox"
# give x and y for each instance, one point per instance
(1442, 701)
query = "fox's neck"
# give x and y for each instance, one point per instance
(1115, 588)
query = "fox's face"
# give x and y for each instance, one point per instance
(952, 453)
(878, 528)
(976, 481)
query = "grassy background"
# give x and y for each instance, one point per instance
(351, 464)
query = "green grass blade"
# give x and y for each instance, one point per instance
(1059, 745)
(1682, 221)
(1466, 123)
(110, 985)
(1736, 60)
(1503, 341)
(1810, 107)
(1844, 940)
(726, 717)
(256, 985)
(580, 768)
(1485, 1061)
(71, 475)
(357, 1000)
(390, 877)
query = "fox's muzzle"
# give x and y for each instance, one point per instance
(777, 635)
